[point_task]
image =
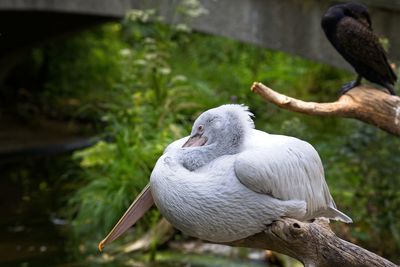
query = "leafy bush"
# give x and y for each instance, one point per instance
(371, 155)
(149, 107)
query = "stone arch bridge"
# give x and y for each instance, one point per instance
(288, 25)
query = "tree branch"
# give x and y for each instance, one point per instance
(160, 233)
(365, 103)
(314, 244)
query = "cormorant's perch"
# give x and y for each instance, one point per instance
(348, 28)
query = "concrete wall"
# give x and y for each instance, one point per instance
(109, 8)
(288, 25)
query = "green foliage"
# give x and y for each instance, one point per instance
(148, 108)
(375, 180)
(81, 71)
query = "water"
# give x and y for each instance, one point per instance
(29, 236)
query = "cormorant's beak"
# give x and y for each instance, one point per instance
(196, 140)
(136, 211)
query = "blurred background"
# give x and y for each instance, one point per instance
(91, 92)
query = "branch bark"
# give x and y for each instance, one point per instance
(365, 103)
(314, 244)
(161, 233)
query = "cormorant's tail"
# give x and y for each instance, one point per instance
(392, 74)
(334, 214)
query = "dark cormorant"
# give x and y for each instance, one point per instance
(348, 28)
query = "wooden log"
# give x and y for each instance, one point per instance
(312, 243)
(365, 103)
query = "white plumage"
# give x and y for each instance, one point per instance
(239, 179)
(227, 181)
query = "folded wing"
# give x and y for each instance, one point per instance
(363, 50)
(290, 170)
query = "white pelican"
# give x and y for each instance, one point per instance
(227, 180)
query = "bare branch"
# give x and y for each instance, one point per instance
(314, 244)
(365, 103)
(160, 233)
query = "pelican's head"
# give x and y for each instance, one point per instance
(224, 126)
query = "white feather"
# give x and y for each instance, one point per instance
(238, 190)
(285, 168)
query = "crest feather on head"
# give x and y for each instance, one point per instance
(241, 111)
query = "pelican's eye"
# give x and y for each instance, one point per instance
(200, 129)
